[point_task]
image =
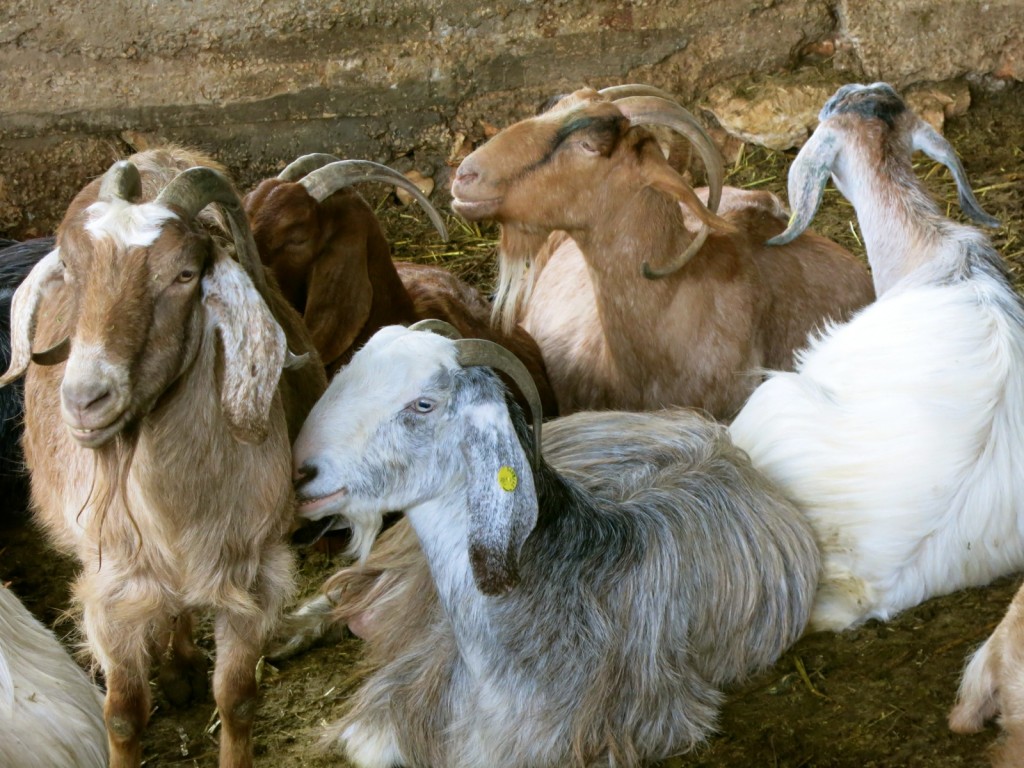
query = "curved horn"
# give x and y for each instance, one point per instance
(808, 176)
(58, 353)
(24, 309)
(680, 261)
(658, 110)
(122, 182)
(929, 141)
(440, 327)
(325, 181)
(291, 360)
(614, 92)
(655, 110)
(194, 189)
(483, 352)
(299, 167)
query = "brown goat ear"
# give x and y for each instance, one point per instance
(253, 347)
(339, 296)
(660, 176)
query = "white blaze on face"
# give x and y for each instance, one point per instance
(127, 224)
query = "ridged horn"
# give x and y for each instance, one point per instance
(933, 144)
(194, 189)
(487, 353)
(121, 182)
(301, 166)
(614, 92)
(440, 327)
(658, 110)
(325, 181)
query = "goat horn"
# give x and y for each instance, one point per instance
(808, 175)
(58, 353)
(679, 261)
(194, 189)
(929, 141)
(440, 327)
(121, 182)
(482, 352)
(614, 92)
(291, 360)
(299, 167)
(655, 110)
(325, 181)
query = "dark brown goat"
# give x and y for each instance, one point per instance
(160, 450)
(611, 337)
(333, 263)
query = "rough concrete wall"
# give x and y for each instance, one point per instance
(257, 83)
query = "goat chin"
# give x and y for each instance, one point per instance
(894, 431)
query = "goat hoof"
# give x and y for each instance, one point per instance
(182, 681)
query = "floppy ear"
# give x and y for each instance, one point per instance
(47, 273)
(339, 294)
(253, 347)
(660, 176)
(501, 498)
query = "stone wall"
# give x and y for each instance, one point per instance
(257, 82)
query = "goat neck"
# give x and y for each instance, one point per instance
(643, 225)
(907, 238)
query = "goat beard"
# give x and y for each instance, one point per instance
(517, 258)
(112, 465)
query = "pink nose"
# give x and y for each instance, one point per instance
(86, 398)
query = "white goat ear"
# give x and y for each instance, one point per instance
(24, 308)
(253, 346)
(808, 175)
(501, 498)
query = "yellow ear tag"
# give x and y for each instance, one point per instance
(507, 478)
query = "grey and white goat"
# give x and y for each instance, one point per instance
(591, 607)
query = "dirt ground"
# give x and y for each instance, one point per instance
(874, 696)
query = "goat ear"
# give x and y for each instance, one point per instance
(253, 347)
(24, 308)
(339, 296)
(660, 176)
(501, 498)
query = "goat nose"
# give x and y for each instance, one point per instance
(85, 398)
(467, 172)
(304, 474)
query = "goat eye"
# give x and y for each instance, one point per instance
(186, 275)
(423, 405)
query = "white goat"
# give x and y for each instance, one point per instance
(50, 713)
(900, 433)
(160, 451)
(589, 609)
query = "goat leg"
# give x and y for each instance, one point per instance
(183, 673)
(121, 637)
(239, 645)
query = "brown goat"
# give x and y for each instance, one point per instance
(333, 263)
(160, 450)
(611, 337)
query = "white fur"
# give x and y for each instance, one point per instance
(50, 714)
(127, 224)
(899, 435)
(372, 747)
